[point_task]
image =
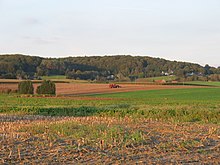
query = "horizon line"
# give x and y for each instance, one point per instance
(100, 55)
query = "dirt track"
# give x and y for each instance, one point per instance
(86, 88)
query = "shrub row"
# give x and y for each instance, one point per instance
(25, 87)
(47, 87)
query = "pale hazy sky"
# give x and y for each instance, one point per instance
(183, 30)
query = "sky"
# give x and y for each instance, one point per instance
(182, 30)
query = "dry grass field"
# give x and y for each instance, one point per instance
(46, 140)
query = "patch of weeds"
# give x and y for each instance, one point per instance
(172, 112)
(196, 119)
(202, 151)
(117, 106)
(68, 111)
(102, 135)
(189, 144)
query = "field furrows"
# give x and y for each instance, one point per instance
(86, 88)
(24, 140)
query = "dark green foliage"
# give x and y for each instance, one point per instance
(83, 75)
(68, 111)
(25, 87)
(47, 87)
(18, 66)
(100, 68)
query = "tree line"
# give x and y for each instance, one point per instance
(102, 67)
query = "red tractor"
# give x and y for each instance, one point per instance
(114, 86)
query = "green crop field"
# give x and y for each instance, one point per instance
(201, 101)
(173, 95)
(214, 83)
(62, 78)
(155, 126)
(56, 77)
(151, 79)
(185, 104)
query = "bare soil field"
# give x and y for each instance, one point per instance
(87, 88)
(76, 89)
(165, 143)
(5, 86)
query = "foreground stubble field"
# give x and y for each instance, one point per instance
(173, 126)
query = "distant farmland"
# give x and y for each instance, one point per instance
(76, 88)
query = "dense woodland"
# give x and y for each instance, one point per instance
(104, 68)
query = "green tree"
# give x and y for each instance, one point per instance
(25, 87)
(47, 87)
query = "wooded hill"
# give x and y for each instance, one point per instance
(101, 67)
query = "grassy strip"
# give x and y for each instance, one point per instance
(103, 135)
(152, 79)
(204, 83)
(169, 113)
(53, 77)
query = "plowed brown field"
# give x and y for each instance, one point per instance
(86, 88)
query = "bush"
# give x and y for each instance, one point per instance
(25, 87)
(47, 87)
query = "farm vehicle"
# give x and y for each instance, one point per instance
(114, 86)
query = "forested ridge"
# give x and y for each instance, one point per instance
(101, 67)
